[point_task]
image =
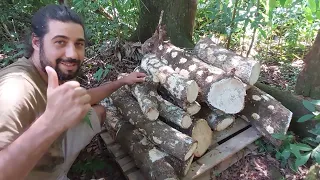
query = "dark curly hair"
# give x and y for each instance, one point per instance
(39, 22)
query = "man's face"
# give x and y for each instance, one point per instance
(63, 48)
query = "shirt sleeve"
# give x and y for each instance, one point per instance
(17, 99)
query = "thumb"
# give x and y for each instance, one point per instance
(52, 78)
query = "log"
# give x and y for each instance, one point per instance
(115, 120)
(217, 120)
(294, 103)
(217, 88)
(165, 137)
(183, 89)
(151, 161)
(173, 113)
(148, 104)
(266, 114)
(247, 69)
(191, 108)
(199, 131)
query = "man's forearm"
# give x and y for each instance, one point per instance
(99, 93)
(20, 157)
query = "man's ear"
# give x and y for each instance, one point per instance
(35, 40)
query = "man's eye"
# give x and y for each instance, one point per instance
(80, 44)
(60, 42)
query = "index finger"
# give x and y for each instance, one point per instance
(140, 74)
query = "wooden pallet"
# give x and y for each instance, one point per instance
(227, 147)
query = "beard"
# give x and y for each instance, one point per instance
(62, 76)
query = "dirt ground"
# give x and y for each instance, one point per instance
(95, 162)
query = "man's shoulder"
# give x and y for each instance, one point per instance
(20, 67)
(23, 72)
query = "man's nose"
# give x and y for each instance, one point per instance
(71, 52)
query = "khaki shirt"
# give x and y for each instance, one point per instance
(22, 100)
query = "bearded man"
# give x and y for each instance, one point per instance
(42, 108)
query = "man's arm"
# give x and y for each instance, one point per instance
(66, 106)
(20, 157)
(99, 93)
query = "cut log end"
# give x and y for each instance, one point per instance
(193, 108)
(224, 123)
(189, 162)
(191, 151)
(227, 95)
(192, 91)
(202, 133)
(255, 73)
(186, 121)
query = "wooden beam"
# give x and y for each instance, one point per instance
(222, 152)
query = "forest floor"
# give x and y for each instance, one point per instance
(95, 162)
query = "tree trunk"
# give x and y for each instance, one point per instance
(308, 82)
(294, 104)
(248, 70)
(179, 17)
(67, 3)
(266, 113)
(167, 138)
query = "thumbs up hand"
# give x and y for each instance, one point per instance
(67, 104)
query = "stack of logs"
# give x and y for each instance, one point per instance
(168, 120)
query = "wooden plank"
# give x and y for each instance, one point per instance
(128, 166)
(232, 160)
(227, 163)
(136, 175)
(220, 135)
(222, 152)
(106, 137)
(116, 150)
(124, 161)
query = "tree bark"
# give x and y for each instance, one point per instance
(247, 69)
(294, 104)
(181, 88)
(179, 17)
(167, 138)
(308, 82)
(266, 113)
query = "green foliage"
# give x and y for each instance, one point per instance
(298, 153)
(87, 119)
(91, 165)
(102, 72)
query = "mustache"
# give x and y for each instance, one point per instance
(70, 60)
